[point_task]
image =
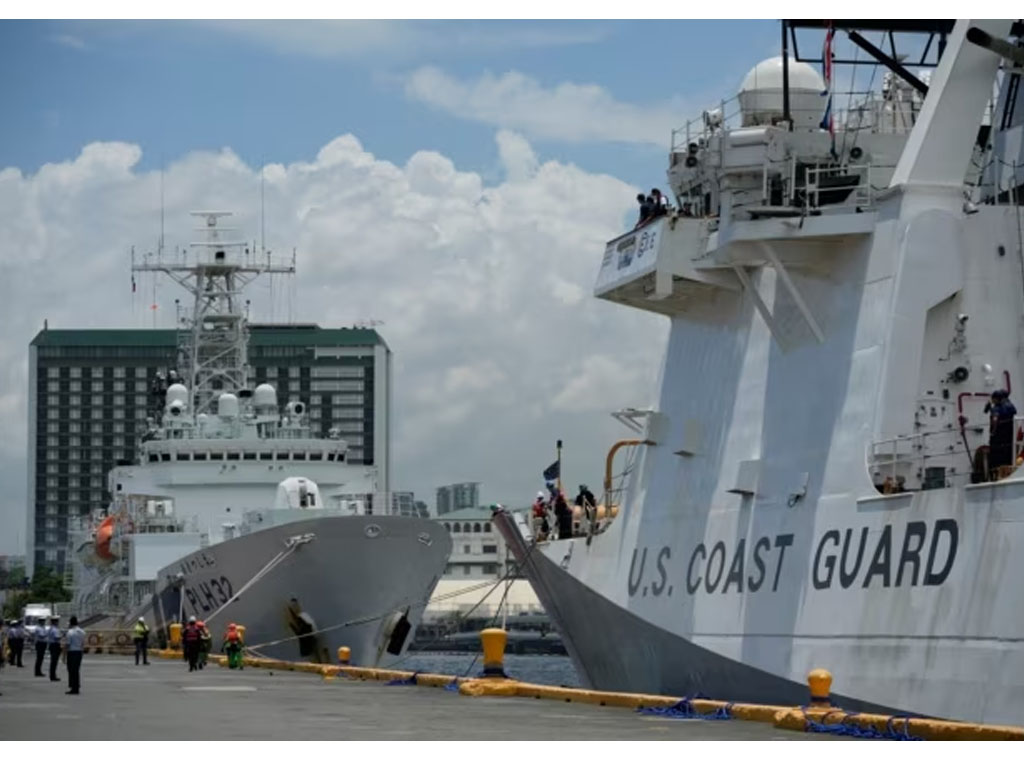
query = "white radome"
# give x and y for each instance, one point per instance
(760, 94)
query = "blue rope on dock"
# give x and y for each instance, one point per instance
(845, 728)
(453, 685)
(684, 710)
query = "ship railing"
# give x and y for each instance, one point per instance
(914, 462)
(853, 111)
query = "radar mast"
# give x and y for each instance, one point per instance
(213, 343)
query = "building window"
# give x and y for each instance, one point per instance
(448, 527)
(140, 387)
(119, 372)
(490, 549)
(96, 414)
(490, 568)
(51, 427)
(466, 570)
(52, 413)
(97, 386)
(75, 386)
(476, 527)
(52, 400)
(97, 399)
(119, 413)
(74, 400)
(53, 386)
(75, 373)
(466, 549)
(457, 528)
(52, 372)
(487, 527)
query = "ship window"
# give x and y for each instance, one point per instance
(331, 456)
(249, 456)
(218, 456)
(317, 456)
(281, 456)
(184, 456)
(233, 457)
(266, 457)
(341, 457)
(165, 457)
(299, 456)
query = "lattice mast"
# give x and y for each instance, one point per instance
(213, 344)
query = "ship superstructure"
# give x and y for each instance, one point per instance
(814, 489)
(226, 476)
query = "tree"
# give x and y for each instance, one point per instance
(48, 587)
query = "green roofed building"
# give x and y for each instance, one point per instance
(90, 396)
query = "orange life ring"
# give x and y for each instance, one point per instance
(122, 639)
(93, 639)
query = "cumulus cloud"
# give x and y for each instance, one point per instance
(485, 291)
(566, 112)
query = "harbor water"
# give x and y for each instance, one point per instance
(546, 670)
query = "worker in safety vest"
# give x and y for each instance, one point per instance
(141, 641)
(205, 643)
(190, 638)
(233, 646)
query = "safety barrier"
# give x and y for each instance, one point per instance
(819, 717)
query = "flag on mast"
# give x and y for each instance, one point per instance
(827, 122)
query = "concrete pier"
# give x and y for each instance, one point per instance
(164, 701)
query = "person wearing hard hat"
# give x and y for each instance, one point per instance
(190, 639)
(541, 527)
(205, 641)
(233, 646)
(141, 641)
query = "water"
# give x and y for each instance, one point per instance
(546, 670)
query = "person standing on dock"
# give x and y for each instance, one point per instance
(141, 641)
(39, 634)
(75, 647)
(53, 641)
(190, 638)
(16, 642)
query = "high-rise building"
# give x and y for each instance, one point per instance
(458, 496)
(90, 395)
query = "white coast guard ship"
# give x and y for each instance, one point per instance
(811, 489)
(235, 512)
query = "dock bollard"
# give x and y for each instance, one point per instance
(820, 682)
(174, 635)
(344, 654)
(493, 641)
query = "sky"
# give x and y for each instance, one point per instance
(456, 181)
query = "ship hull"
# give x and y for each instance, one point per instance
(938, 635)
(345, 586)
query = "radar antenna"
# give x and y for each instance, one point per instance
(213, 344)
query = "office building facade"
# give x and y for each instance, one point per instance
(90, 395)
(459, 496)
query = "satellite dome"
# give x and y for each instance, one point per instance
(264, 396)
(176, 392)
(760, 94)
(227, 406)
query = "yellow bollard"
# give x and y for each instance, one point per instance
(820, 682)
(174, 635)
(344, 654)
(493, 641)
